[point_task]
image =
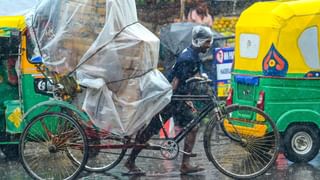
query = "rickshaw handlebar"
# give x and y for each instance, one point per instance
(199, 79)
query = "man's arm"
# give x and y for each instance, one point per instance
(174, 83)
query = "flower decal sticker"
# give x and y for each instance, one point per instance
(274, 64)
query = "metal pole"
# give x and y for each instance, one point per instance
(182, 7)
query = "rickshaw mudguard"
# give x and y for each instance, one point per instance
(298, 116)
(36, 110)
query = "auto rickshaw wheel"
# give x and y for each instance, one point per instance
(301, 143)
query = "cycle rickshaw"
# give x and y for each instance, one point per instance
(65, 130)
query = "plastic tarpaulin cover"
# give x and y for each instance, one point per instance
(111, 54)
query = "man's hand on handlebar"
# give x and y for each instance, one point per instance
(198, 79)
(204, 75)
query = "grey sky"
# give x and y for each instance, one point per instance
(16, 7)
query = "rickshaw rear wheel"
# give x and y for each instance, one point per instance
(301, 143)
(106, 150)
(239, 149)
(45, 142)
(104, 154)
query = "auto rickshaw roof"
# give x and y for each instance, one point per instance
(11, 22)
(274, 14)
(279, 27)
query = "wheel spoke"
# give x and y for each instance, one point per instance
(50, 160)
(240, 148)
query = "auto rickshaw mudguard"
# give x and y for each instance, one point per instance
(298, 116)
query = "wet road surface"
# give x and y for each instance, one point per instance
(169, 170)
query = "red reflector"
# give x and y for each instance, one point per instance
(229, 98)
(309, 74)
(260, 103)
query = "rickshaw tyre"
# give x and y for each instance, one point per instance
(227, 133)
(215, 122)
(77, 125)
(109, 166)
(290, 153)
(93, 153)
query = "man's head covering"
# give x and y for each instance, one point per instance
(201, 34)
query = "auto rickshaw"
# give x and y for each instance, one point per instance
(22, 85)
(13, 48)
(277, 69)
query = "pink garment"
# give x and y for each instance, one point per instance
(194, 17)
(177, 130)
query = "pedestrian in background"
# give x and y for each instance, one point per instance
(200, 14)
(189, 6)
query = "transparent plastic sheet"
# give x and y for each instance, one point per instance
(121, 111)
(111, 54)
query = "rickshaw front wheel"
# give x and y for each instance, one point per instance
(242, 143)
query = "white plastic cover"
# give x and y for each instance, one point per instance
(111, 54)
(201, 34)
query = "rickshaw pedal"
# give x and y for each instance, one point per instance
(189, 154)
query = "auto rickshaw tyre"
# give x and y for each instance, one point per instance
(241, 155)
(11, 151)
(301, 134)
